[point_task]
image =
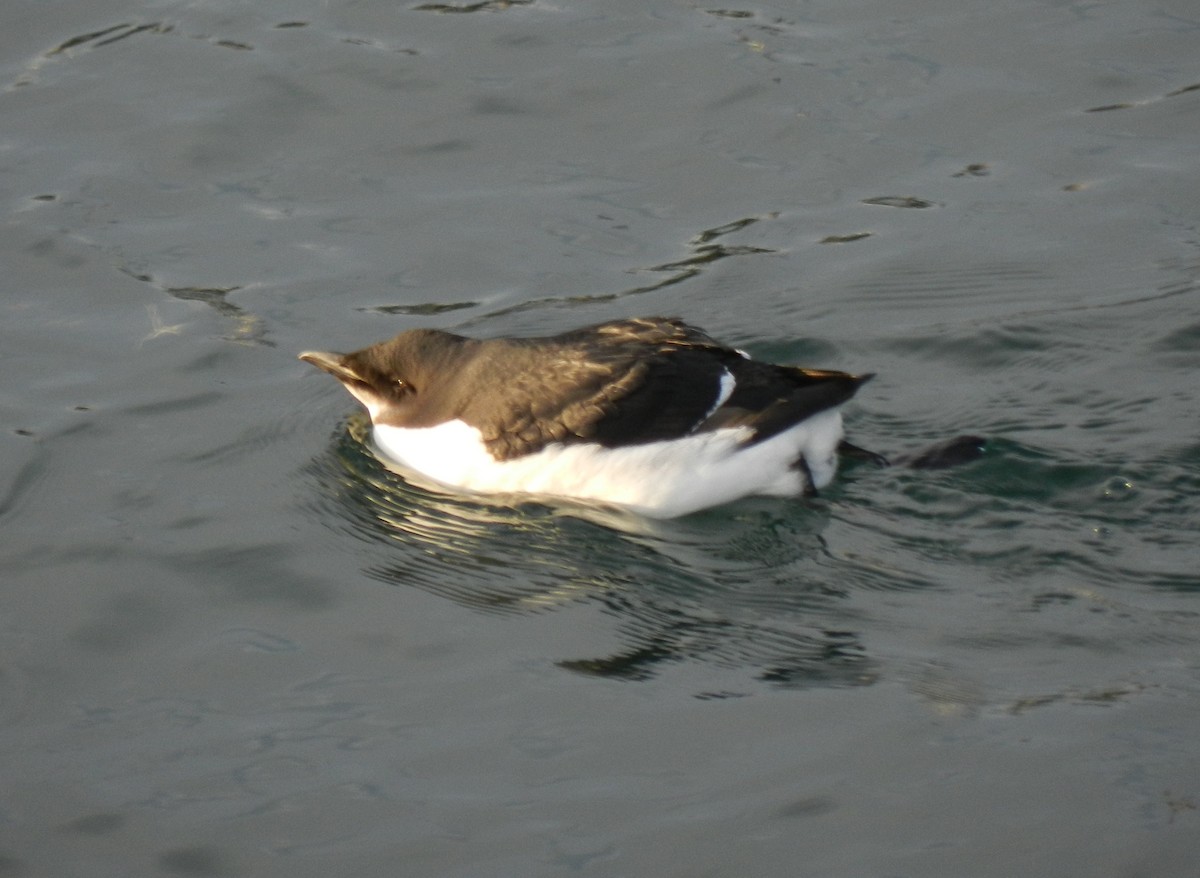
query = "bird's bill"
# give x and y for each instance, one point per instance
(331, 362)
(361, 389)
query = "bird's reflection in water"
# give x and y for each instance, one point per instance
(742, 589)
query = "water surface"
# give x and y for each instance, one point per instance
(232, 643)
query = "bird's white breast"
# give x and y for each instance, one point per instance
(658, 479)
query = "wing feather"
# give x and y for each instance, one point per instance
(630, 382)
(621, 383)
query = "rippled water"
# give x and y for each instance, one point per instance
(232, 642)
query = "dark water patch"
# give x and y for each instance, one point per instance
(202, 399)
(195, 860)
(214, 297)
(123, 624)
(22, 481)
(1182, 345)
(952, 452)
(109, 35)
(905, 201)
(1185, 90)
(100, 823)
(975, 169)
(439, 147)
(485, 6)
(385, 47)
(730, 13)
(256, 574)
(705, 252)
(1095, 697)
(1183, 581)
(1128, 105)
(426, 309)
(61, 252)
(499, 105)
(709, 235)
(780, 656)
(845, 239)
(249, 328)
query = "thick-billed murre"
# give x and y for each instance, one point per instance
(650, 414)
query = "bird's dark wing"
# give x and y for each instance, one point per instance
(678, 390)
(634, 381)
(769, 399)
(615, 384)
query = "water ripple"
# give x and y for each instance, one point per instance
(745, 588)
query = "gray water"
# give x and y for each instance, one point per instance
(231, 643)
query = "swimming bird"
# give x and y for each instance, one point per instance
(650, 414)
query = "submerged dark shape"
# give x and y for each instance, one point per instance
(650, 414)
(947, 453)
(951, 452)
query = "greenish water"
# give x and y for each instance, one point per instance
(232, 643)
